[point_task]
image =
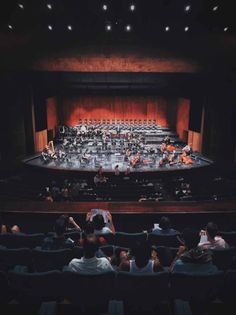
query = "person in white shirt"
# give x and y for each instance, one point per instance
(89, 263)
(117, 171)
(210, 238)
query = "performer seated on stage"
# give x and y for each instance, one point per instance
(185, 157)
(86, 156)
(49, 151)
(166, 140)
(165, 159)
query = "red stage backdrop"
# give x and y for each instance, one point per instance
(119, 107)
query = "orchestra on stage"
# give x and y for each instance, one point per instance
(137, 145)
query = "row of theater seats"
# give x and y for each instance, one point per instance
(118, 239)
(135, 291)
(37, 259)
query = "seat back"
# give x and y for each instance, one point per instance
(34, 287)
(166, 254)
(4, 287)
(74, 235)
(45, 260)
(223, 258)
(195, 287)
(13, 257)
(21, 240)
(142, 289)
(228, 289)
(164, 240)
(87, 289)
(129, 240)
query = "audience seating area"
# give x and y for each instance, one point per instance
(32, 276)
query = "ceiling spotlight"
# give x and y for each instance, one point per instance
(21, 6)
(49, 6)
(108, 27)
(215, 8)
(50, 27)
(187, 8)
(128, 28)
(226, 29)
(186, 29)
(132, 7)
(10, 27)
(167, 28)
(104, 7)
(69, 27)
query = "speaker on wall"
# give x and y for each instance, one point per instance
(195, 115)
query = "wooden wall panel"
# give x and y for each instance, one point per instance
(182, 119)
(52, 114)
(41, 139)
(117, 107)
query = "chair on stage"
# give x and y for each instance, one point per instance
(104, 121)
(108, 121)
(145, 121)
(90, 121)
(131, 121)
(95, 121)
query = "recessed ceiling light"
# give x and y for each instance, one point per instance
(10, 26)
(108, 27)
(132, 7)
(187, 8)
(215, 8)
(49, 6)
(50, 27)
(69, 27)
(21, 6)
(167, 28)
(226, 29)
(128, 28)
(104, 7)
(186, 29)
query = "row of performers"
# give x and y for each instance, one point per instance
(168, 151)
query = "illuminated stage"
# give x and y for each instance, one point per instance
(106, 146)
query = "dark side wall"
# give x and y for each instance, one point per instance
(15, 119)
(219, 127)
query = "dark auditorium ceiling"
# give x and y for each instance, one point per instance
(200, 32)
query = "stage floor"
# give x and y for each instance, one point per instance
(108, 163)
